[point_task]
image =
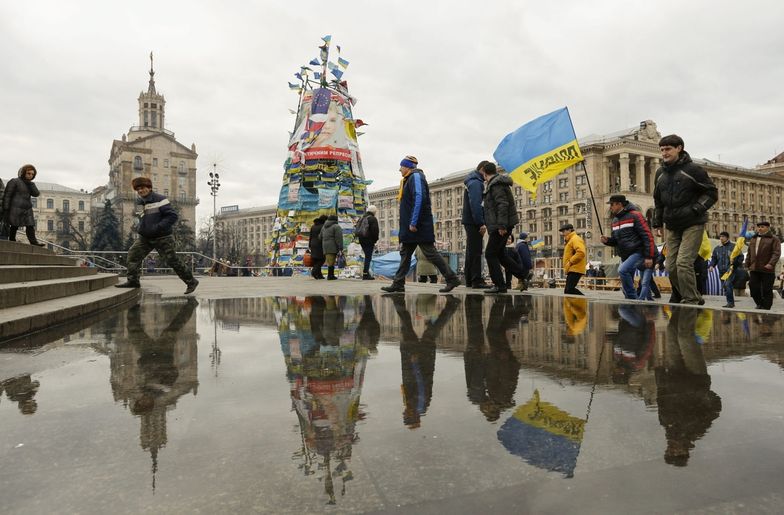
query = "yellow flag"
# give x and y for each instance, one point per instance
(705, 248)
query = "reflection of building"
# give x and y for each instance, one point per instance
(150, 372)
(150, 150)
(325, 363)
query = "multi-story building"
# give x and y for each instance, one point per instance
(63, 215)
(248, 229)
(621, 162)
(152, 151)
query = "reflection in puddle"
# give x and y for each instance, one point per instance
(521, 388)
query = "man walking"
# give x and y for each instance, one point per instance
(500, 218)
(155, 232)
(367, 234)
(416, 227)
(764, 252)
(474, 224)
(682, 195)
(634, 242)
(574, 258)
(524, 251)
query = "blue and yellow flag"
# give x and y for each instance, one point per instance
(537, 243)
(539, 150)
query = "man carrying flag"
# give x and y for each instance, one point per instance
(735, 260)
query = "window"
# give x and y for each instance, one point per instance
(581, 223)
(166, 193)
(50, 225)
(548, 186)
(34, 201)
(548, 241)
(579, 180)
(137, 164)
(181, 168)
(81, 205)
(155, 161)
(50, 203)
(66, 206)
(146, 119)
(154, 117)
(165, 163)
(532, 227)
(547, 199)
(563, 210)
(81, 225)
(563, 183)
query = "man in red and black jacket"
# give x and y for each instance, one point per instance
(635, 245)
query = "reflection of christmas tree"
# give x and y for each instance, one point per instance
(325, 365)
(323, 172)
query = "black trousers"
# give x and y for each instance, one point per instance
(367, 248)
(495, 255)
(761, 288)
(431, 254)
(317, 263)
(473, 257)
(572, 278)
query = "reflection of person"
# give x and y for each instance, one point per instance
(764, 252)
(368, 330)
(21, 390)
(18, 206)
(682, 195)
(416, 227)
(634, 342)
(574, 258)
(334, 320)
(687, 406)
(316, 249)
(155, 232)
(491, 377)
(418, 358)
(575, 315)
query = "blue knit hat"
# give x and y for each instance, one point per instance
(409, 162)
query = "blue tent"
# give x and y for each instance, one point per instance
(388, 264)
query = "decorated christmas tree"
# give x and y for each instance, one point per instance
(323, 172)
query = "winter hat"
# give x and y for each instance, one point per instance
(409, 162)
(334, 218)
(372, 209)
(523, 235)
(137, 182)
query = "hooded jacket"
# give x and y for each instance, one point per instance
(415, 210)
(473, 212)
(499, 203)
(331, 237)
(631, 234)
(682, 194)
(17, 203)
(158, 216)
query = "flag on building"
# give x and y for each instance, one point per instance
(539, 150)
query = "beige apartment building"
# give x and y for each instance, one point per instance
(620, 162)
(248, 229)
(151, 150)
(63, 215)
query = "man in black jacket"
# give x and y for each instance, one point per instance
(155, 232)
(682, 195)
(500, 219)
(474, 223)
(367, 234)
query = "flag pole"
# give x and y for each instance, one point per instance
(588, 180)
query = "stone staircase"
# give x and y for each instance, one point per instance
(40, 290)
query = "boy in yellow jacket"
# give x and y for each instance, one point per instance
(574, 258)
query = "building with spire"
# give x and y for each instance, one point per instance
(151, 150)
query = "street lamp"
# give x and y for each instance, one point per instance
(214, 184)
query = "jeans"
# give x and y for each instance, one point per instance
(431, 254)
(626, 273)
(367, 248)
(473, 257)
(682, 250)
(729, 292)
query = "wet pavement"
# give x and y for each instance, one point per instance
(401, 403)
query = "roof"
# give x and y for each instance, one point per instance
(50, 186)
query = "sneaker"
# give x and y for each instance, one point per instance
(729, 305)
(495, 290)
(191, 287)
(128, 284)
(450, 285)
(393, 288)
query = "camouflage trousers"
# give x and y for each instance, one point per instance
(165, 247)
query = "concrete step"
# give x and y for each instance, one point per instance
(31, 258)
(16, 246)
(23, 293)
(28, 273)
(28, 322)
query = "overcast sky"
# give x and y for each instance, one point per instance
(442, 80)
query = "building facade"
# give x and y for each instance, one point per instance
(63, 215)
(249, 231)
(152, 151)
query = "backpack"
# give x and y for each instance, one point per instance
(362, 229)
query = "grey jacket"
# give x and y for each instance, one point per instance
(331, 237)
(499, 203)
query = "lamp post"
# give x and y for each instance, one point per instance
(214, 184)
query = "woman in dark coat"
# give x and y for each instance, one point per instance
(332, 244)
(17, 206)
(316, 250)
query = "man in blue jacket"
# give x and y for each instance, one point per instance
(416, 227)
(155, 232)
(474, 224)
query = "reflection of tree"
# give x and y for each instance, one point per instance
(150, 374)
(418, 357)
(687, 406)
(21, 390)
(492, 371)
(325, 364)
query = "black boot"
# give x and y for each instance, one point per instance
(331, 273)
(128, 284)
